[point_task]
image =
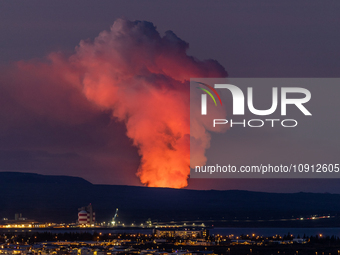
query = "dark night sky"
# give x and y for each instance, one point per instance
(249, 38)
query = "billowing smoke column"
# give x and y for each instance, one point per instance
(144, 79)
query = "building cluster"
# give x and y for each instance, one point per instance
(86, 218)
(90, 248)
(181, 232)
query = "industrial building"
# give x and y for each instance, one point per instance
(18, 222)
(86, 215)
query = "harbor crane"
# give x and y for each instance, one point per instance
(114, 218)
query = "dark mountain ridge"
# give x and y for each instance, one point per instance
(57, 198)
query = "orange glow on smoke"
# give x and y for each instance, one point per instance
(143, 79)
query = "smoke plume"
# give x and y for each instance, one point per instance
(143, 80)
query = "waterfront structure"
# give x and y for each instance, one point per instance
(181, 232)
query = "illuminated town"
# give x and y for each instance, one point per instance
(87, 237)
(160, 241)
